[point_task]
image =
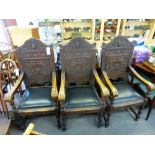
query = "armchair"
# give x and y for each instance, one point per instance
(77, 93)
(37, 71)
(115, 67)
(147, 92)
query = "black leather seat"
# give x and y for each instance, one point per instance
(36, 97)
(126, 94)
(81, 96)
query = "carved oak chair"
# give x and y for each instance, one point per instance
(78, 75)
(37, 69)
(146, 91)
(116, 67)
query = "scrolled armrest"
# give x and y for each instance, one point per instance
(150, 86)
(113, 90)
(54, 91)
(8, 97)
(62, 94)
(104, 90)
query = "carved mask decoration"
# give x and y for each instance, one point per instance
(77, 45)
(33, 46)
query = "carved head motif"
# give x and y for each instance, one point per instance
(116, 56)
(77, 45)
(33, 46)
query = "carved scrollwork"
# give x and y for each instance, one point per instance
(35, 62)
(79, 43)
(33, 43)
(119, 41)
(78, 59)
(116, 56)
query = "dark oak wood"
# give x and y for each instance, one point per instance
(149, 70)
(116, 60)
(78, 59)
(116, 56)
(35, 62)
(36, 68)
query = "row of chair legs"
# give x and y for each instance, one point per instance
(103, 119)
(61, 118)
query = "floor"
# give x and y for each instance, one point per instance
(122, 123)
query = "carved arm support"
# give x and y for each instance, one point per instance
(9, 96)
(150, 86)
(104, 90)
(62, 94)
(54, 91)
(113, 90)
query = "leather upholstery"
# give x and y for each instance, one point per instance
(126, 94)
(35, 97)
(81, 96)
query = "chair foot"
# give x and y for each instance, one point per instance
(148, 113)
(63, 128)
(106, 125)
(20, 122)
(58, 124)
(137, 115)
(137, 118)
(107, 121)
(58, 120)
(99, 120)
(63, 122)
(139, 112)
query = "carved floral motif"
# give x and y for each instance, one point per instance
(116, 56)
(35, 62)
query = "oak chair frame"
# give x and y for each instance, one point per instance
(33, 50)
(78, 60)
(116, 63)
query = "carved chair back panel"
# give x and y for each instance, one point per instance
(36, 62)
(116, 57)
(78, 60)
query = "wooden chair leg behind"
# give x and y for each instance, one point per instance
(99, 119)
(149, 112)
(63, 121)
(58, 119)
(139, 112)
(107, 115)
(150, 109)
